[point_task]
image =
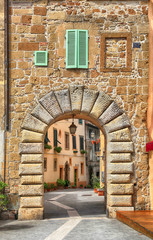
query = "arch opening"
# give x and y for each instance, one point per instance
(102, 111)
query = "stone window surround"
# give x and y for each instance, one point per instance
(121, 35)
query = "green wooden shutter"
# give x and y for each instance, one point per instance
(81, 143)
(71, 48)
(82, 48)
(55, 137)
(74, 141)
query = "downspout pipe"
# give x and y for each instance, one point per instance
(7, 66)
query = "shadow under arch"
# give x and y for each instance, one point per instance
(98, 108)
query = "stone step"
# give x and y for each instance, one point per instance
(142, 221)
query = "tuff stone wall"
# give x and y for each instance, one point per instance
(41, 26)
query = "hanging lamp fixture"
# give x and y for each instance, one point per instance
(73, 127)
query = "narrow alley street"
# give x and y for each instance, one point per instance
(70, 214)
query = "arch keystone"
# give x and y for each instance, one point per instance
(76, 94)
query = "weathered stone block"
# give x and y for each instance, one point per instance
(40, 113)
(26, 202)
(119, 147)
(113, 111)
(34, 124)
(120, 157)
(29, 136)
(102, 102)
(112, 210)
(25, 169)
(116, 189)
(117, 124)
(119, 178)
(89, 97)
(76, 93)
(31, 190)
(63, 97)
(32, 158)
(122, 201)
(121, 167)
(28, 46)
(120, 136)
(59, 15)
(31, 147)
(30, 214)
(33, 179)
(50, 103)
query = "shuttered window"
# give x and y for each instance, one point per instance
(55, 137)
(76, 48)
(74, 141)
(81, 143)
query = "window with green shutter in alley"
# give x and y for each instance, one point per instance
(76, 48)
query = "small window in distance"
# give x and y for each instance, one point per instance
(90, 131)
(81, 143)
(80, 121)
(55, 137)
(45, 164)
(74, 141)
(66, 140)
(55, 164)
(82, 168)
(70, 161)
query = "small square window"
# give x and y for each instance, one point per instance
(41, 58)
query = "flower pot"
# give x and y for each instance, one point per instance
(95, 190)
(100, 193)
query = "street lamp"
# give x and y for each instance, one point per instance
(73, 127)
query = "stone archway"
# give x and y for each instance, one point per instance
(98, 108)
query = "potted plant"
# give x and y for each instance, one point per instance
(3, 197)
(66, 183)
(52, 186)
(95, 182)
(73, 186)
(47, 146)
(101, 191)
(60, 183)
(75, 151)
(83, 151)
(57, 149)
(88, 186)
(45, 187)
(81, 186)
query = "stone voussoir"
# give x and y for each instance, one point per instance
(28, 169)
(119, 147)
(117, 189)
(31, 158)
(63, 97)
(26, 202)
(117, 124)
(122, 135)
(40, 112)
(31, 148)
(31, 190)
(30, 136)
(89, 97)
(121, 167)
(76, 94)
(33, 124)
(112, 112)
(32, 179)
(50, 103)
(101, 104)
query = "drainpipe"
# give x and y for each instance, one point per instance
(7, 64)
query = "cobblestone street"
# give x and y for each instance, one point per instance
(70, 214)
